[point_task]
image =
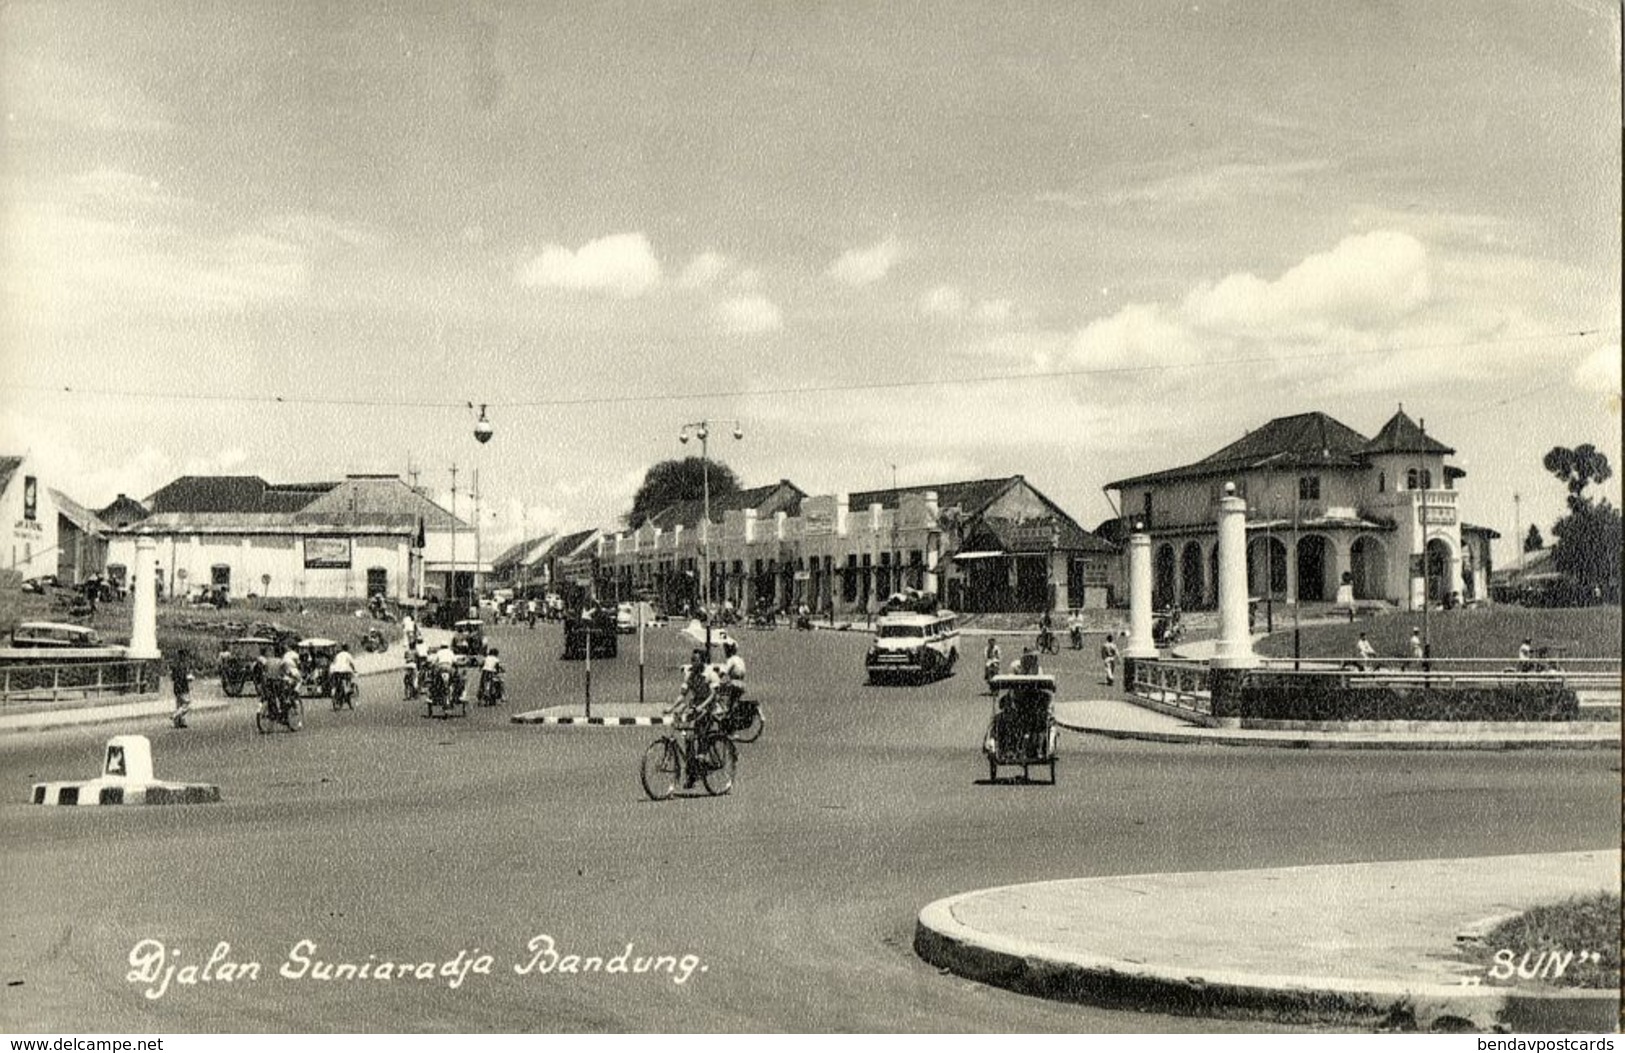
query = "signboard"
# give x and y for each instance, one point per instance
(1437, 515)
(817, 521)
(30, 497)
(327, 553)
(1039, 536)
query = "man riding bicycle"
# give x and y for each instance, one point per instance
(732, 677)
(341, 673)
(696, 709)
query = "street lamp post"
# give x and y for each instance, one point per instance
(702, 431)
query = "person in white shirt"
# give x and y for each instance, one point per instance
(732, 674)
(341, 673)
(491, 677)
(1366, 653)
(409, 627)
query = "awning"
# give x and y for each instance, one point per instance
(978, 555)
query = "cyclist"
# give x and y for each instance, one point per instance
(491, 677)
(696, 709)
(341, 673)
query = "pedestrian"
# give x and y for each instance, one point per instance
(180, 676)
(1108, 658)
(1366, 653)
(1417, 653)
(1526, 655)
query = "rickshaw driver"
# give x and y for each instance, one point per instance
(292, 675)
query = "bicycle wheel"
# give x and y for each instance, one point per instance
(296, 715)
(720, 758)
(261, 721)
(661, 768)
(753, 728)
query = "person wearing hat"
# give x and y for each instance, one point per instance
(732, 674)
(1416, 644)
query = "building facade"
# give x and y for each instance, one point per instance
(30, 517)
(365, 535)
(986, 545)
(1332, 516)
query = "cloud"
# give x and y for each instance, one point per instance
(944, 301)
(703, 270)
(1366, 281)
(866, 266)
(1221, 182)
(749, 314)
(949, 303)
(620, 263)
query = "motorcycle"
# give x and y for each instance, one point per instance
(446, 691)
(279, 704)
(412, 681)
(1046, 641)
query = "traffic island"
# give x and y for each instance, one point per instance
(1354, 945)
(127, 778)
(610, 716)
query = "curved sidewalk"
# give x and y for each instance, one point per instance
(1353, 945)
(1116, 718)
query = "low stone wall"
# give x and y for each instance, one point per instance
(45, 676)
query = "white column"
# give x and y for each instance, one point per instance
(1235, 646)
(1141, 642)
(144, 611)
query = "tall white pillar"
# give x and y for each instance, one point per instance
(144, 611)
(1235, 646)
(1141, 642)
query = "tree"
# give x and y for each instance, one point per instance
(1532, 541)
(1588, 548)
(669, 482)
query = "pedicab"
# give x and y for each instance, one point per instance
(1022, 732)
(315, 656)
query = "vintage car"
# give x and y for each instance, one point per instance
(907, 643)
(1022, 732)
(54, 634)
(315, 655)
(597, 626)
(240, 663)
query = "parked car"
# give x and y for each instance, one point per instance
(54, 634)
(627, 616)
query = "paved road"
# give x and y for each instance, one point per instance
(383, 836)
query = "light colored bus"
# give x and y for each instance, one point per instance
(923, 646)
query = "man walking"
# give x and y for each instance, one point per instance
(180, 676)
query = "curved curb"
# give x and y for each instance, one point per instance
(101, 792)
(596, 722)
(1354, 741)
(1062, 975)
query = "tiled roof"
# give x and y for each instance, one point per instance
(274, 523)
(123, 510)
(77, 514)
(566, 545)
(1301, 440)
(971, 497)
(782, 496)
(1403, 435)
(380, 495)
(8, 468)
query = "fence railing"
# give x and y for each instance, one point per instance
(1581, 674)
(1181, 684)
(55, 682)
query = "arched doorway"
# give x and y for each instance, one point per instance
(1438, 570)
(1368, 565)
(1312, 553)
(1193, 592)
(1162, 581)
(1266, 567)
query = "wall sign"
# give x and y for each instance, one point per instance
(327, 553)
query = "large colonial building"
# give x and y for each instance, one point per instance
(984, 545)
(365, 535)
(1326, 507)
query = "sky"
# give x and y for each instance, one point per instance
(922, 241)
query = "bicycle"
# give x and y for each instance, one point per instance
(1047, 643)
(699, 751)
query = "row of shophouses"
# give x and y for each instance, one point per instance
(1333, 516)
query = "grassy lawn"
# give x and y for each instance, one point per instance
(1583, 924)
(200, 629)
(1479, 632)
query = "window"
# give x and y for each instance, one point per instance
(377, 581)
(1411, 479)
(1382, 482)
(220, 576)
(1309, 488)
(1145, 517)
(1427, 479)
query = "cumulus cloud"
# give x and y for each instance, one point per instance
(1366, 281)
(623, 264)
(746, 315)
(867, 265)
(703, 270)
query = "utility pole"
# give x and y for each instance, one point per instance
(451, 583)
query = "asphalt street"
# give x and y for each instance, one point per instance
(380, 836)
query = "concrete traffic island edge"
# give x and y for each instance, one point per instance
(940, 939)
